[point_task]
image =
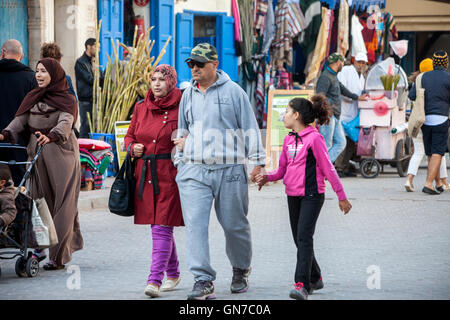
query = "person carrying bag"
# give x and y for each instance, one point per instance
(417, 117)
(121, 197)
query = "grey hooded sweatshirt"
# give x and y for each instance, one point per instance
(220, 126)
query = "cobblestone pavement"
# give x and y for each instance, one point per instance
(402, 237)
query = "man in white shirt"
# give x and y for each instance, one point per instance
(352, 77)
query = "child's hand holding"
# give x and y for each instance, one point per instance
(261, 179)
(345, 206)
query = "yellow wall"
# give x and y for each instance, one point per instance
(420, 15)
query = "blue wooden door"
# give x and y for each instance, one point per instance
(111, 14)
(162, 18)
(225, 46)
(13, 24)
(184, 45)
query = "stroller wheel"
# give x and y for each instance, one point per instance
(32, 267)
(369, 168)
(20, 267)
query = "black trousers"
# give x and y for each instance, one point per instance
(303, 214)
(342, 162)
(85, 108)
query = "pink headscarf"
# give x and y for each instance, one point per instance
(169, 73)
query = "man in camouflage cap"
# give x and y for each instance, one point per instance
(203, 52)
(329, 85)
(211, 166)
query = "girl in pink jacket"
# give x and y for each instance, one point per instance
(304, 164)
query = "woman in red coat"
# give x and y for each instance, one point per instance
(157, 200)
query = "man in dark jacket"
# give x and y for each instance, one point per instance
(329, 85)
(16, 80)
(84, 73)
(437, 107)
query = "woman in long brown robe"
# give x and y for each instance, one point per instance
(51, 111)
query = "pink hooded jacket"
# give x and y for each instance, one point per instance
(304, 164)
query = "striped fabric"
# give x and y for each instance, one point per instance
(290, 22)
(259, 18)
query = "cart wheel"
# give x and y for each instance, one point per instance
(32, 267)
(20, 267)
(369, 168)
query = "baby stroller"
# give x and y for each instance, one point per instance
(19, 234)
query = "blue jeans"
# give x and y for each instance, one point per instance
(334, 137)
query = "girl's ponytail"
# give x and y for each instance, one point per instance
(321, 108)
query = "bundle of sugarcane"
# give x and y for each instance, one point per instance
(389, 81)
(123, 82)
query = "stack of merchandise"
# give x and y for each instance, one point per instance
(95, 156)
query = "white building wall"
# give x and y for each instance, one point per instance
(203, 5)
(75, 21)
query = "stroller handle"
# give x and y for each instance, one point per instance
(15, 146)
(12, 146)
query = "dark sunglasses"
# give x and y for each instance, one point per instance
(192, 63)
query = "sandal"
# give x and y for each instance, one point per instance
(53, 266)
(39, 256)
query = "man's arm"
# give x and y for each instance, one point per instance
(183, 128)
(412, 93)
(347, 93)
(254, 150)
(82, 73)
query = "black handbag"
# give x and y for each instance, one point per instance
(121, 197)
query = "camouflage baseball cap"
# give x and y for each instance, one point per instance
(203, 52)
(335, 57)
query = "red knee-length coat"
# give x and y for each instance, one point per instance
(152, 124)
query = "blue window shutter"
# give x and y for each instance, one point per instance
(111, 14)
(162, 18)
(184, 45)
(13, 24)
(225, 46)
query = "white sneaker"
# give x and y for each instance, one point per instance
(170, 284)
(409, 186)
(152, 290)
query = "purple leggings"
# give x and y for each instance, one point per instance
(164, 255)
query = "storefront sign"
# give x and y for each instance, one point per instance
(277, 104)
(120, 130)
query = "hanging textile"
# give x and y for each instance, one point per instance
(245, 11)
(357, 38)
(313, 20)
(259, 21)
(370, 37)
(320, 50)
(343, 31)
(390, 33)
(237, 21)
(290, 22)
(269, 28)
(333, 36)
(260, 93)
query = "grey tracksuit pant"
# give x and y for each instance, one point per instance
(199, 186)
